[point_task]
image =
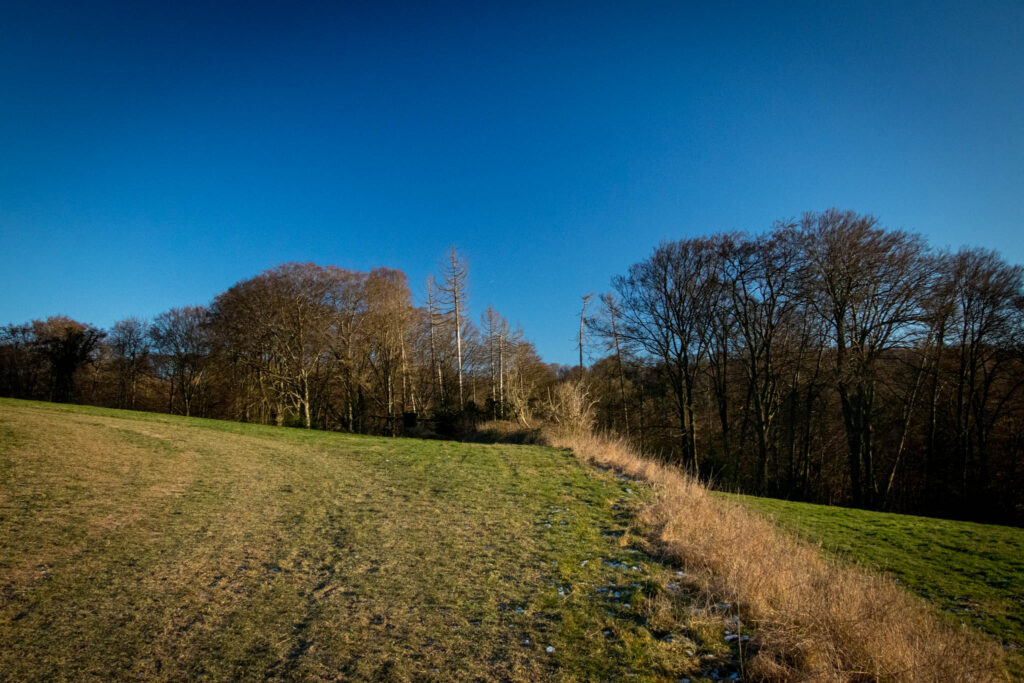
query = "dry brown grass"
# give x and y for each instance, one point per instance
(816, 619)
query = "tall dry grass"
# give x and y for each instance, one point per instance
(816, 619)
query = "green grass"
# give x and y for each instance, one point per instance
(973, 572)
(140, 545)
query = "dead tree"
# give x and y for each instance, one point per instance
(455, 273)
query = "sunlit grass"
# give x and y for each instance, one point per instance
(157, 546)
(973, 572)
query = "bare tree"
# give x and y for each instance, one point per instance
(389, 309)
(455, 273)
(986, 300)
(607, 326)
(762, 294)
(583, 314)
(665, 313)
(283, 323)
(493, 326)
(181, 336)
(66, 344)
(130, 349)
(868, 284)
(435, 360)
(22, 369)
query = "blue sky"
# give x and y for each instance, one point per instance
(153, 154)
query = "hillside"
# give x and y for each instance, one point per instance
(973, 572)
(158, 546)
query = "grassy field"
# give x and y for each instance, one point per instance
(973, 572)
(138, 545)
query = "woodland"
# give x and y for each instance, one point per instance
(828, 359)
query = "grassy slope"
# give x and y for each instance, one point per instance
(973, 572)
(150, 545)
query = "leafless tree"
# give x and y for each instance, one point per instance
(986, 303)
(283, 322)
(130, 347)
(389, 310)
(868, 284)
(583, 317)
(454, 290)
(608, 327)
(434, 326)
(66, 344)
(22, 369)
(762, 295)
(181, 336)
(495, 329)
(665, 313)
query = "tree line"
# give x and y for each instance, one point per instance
(300, 344)
(829, 359)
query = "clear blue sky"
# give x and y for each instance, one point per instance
(154, 153)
